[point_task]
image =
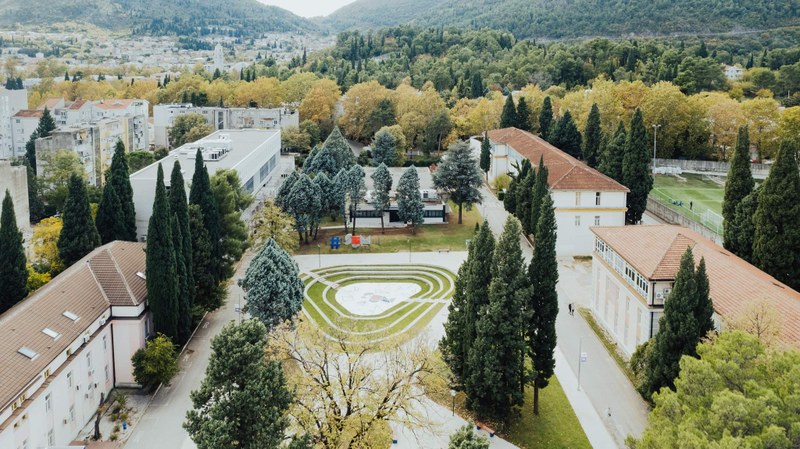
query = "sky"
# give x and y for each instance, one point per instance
(309, 8)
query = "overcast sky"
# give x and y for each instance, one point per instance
(309, 8)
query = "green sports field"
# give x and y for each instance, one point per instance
(691, 195)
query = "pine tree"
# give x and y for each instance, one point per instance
(742, 227)
(636, 169)
(409, 200)
(244, 398)
(304, 203)
(459, 176)
(541, 306)
(13, 272)
(545, 118)
(593, 135)
(382, 182)
(179, 207)
(120, 177)
(201, 195)
(109, 220)
(356, 189)
(776, 243)
(613, 154)
(523, 115)
(738, 185)
(565, 136)
(285, 188)
(466, 438)
(384, 148)
(182, 284)
(494, 385)
(78, 235)
(508, 117)
(540, 190)
(161, 272)
(340, 149)
(686, 319)
(486, 153)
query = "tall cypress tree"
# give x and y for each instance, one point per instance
(122, 187)
(35, 204)
(161, 271)
(742, 227)
(79, 235)
(201, 195)
(110, 220)
(494, 385)
(206, 286)
(776, 243)
(45, 127)
(508, 117)
(523, 115)
(182, 285)
(13, 272)
(486, 155)
(636, 169)
(686, 319)
(542, 303)
(738, 185)
(593, 136)
(540, 190)
(545, 118)
(565, 136)
(179, 207)
(524, 200)
(613, 154)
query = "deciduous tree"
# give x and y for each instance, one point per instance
(270, 222)
(156, 363)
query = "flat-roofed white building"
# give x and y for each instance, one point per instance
(64, 348)
(435, 209)
(11, 102)
(633, 272)
(582, 196)
(254, 154)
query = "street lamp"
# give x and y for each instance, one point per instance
(409, 250)
(655, 134)
(453, 395)
(319, 254)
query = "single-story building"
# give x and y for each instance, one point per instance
(435, 207)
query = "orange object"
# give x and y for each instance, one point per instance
(356, 240)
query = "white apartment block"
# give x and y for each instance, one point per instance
(68, 345)
(582, 196)
(221, 118)
(11, 102)
(23, 124)
(254, 154)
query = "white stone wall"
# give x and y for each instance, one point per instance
(15, 180)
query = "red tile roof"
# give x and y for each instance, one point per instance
(35, 113)
(735, 285)
(114, 104)
(564, 171)
(77, 104)
(50, 103)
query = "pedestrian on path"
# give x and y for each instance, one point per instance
(571, 309)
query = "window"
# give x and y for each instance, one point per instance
(577, 220)
(51, 438)
(69, 379)
(89, 359)
(597, 220)
(577, 198)
(48, 402)
(597, 198)
(106, 373)
(71, 413)
(105, 342)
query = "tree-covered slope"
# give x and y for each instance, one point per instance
(573, 18)
(160, 16)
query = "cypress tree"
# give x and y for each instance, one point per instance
(13, 272)
(545, 118)
(182, 285)
(476, 89)
(494, 385)
(206, 287)
(161, 272)
(35, 204)
(109, 221)
(686, 319)
(613, 154)
(540, 190)
(486, 154)
(201, 195)
(776, 243)
(594, 135)
(79, 235)
(542, 303)
(738, 185)
(120, 177)
(565, 136)
(636, 169)
(180, 208)
(523, 212)
(508, 117)
(742, 227)
(45, 127)
(523, 115)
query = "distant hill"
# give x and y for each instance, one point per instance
(183, 17)
(572, 18)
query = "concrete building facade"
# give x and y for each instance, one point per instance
(583, 197)
(15, 180)
(220, 118)
(23, 124)
(11, 102)
(435, 209)
(69, 344)
(254, 154)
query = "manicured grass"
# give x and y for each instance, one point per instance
(556, 426)
(610, 346)
(696, 193)
(450, 236)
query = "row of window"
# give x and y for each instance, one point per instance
(578, 220)
(596, 198)
(636, 280)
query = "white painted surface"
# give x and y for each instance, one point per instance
(374, 298)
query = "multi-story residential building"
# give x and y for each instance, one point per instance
(23, 124)
(254, 154)
(15, 181)
(221, 118)
(634, 269)
(11, 102)
(583, 197)
(69, 344)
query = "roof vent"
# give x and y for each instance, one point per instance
(71, 315)
(51, 333)
(28, 352)
(141, 275)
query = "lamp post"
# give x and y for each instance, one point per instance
(409, 250)
(453, 395)
(655, 134)
(319, 254)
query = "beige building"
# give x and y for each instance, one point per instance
(15, 180)
(633, 272)
(69, 344)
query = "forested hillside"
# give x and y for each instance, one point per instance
(573, 18)
(184, 17)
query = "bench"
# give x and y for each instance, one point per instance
(485, 428)
(444, 250)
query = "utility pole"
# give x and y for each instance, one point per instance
(655, 135)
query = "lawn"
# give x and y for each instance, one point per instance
(556, 426)
(433, 237)
(691, 195)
